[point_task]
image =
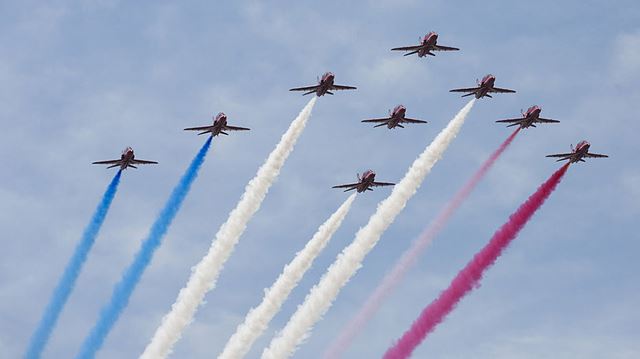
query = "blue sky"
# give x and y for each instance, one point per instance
(81, 80)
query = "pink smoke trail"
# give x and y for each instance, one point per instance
(409, 258)
(469, 277)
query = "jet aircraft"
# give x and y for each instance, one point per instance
(427, 44)
(578, 154)
(528, 119)
(484, 88)
(364, 183)
(127, 159)
(325, 86)
(219, 126)
(395, 119)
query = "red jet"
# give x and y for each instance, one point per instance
(529, 118)
(427, 44)
(484, 87)
(578, 154)
(325, 86)
(364, 183)
(127, 159)
(218, 127)
(396, 117)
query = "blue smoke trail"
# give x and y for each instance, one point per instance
(66, 284)
(123, 290)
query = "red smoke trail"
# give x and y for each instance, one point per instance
(469, 277)
(409, 258)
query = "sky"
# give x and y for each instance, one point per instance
(81, 80)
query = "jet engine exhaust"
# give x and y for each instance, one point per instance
(131, 277)
(71, 273)
(205, 274)
(471, 275)
(322, 295)
(258, 318)
(409, 257)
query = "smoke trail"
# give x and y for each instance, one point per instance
(130, 278)
(469, 277)
(258, 318)
(349, 261)
(205, 274)
(409, 257)
(71, 272)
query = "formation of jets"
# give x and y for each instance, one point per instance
(397, 118)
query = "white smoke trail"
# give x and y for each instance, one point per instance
(258, 318)
(350, 260)
(205, 274)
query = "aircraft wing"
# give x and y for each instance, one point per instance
(203, 128)
(144, 162)
(468, 89)
(386, 119)
(511, 120)
(407, 48)
(501, 90)
(108, 162)
(411, 120)
(414, 52)
(307, 88)
(546, 120)
(342, 87)
(382, 184)
(444, 48)
(560, 155)
(346, 185)
(349, 187)
(235, 128)
(595, 155)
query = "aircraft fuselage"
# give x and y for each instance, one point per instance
(486, 85)
(531, 116)
(126, 157)
(396, 116)
(366, 181)
(325, 83)
(219, 123)
(582, 148)
(428, 42)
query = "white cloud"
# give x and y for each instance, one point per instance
(625, 64)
